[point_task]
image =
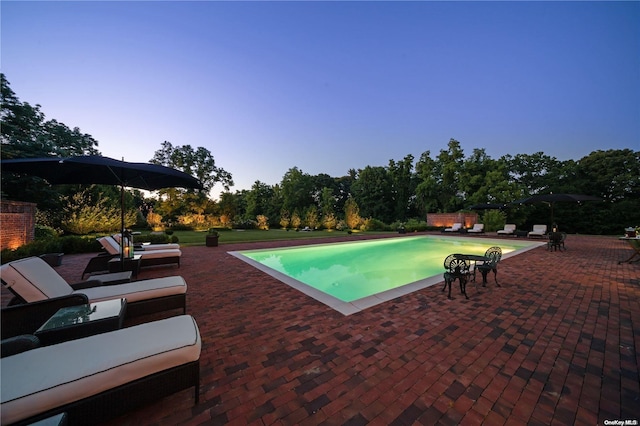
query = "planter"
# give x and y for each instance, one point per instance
(53, 259)
(212, 241)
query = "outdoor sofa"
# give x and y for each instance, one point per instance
(100, 377)
(32, 279)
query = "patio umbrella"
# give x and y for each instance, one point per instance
(95, 169)
(552, 198)
(488, 206)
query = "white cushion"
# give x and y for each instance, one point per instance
(509, 228)
(155, 254)
(137, 290)
(146, 247)
(33, 279)
(109, 245)
(52, 376)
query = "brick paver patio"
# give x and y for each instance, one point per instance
(558, 343)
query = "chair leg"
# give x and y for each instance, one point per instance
(463, 287)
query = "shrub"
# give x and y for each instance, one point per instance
(43, 232)
(67, 245)
(329, 221)
(262, 222)
(175, 239)
(415, 225)
(372, 224)
(494, 220)
(152, 238)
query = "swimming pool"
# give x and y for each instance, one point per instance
(353, 276)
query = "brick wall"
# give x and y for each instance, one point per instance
(448, 219)
(17, 223)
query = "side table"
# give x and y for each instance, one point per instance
(75, 322)
(128, 264)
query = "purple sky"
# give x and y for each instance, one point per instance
(329, 86)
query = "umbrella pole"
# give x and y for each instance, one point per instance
(122, 228)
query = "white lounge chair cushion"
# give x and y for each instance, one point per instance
(33, 279)
(455, 227)
(112, 247)
(137, 290)
(478, 227)
(147, 247)
(156, 254)
(45, 378)
(538, 230)
(509, 228)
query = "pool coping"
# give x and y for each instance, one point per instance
(349, 308)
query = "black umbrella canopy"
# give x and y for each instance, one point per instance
(488, 206)
(552, 198)
(95, 169)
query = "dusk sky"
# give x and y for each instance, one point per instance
(330, 86)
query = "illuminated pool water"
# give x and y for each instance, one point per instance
(354, 275)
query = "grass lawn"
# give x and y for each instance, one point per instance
(195, 238)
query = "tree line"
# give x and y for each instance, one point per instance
(375, 197)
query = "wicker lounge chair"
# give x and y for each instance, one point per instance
(509, 229)
(455, 228)
(100, 377)
(32, 279)
(478, 228)
(148, 257)
(147, 246)
(538, 231)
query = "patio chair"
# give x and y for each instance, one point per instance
(455, 228)
(509, 229)
(147, 258)
(147, 246)
(538, 231)
(478, 228)
(100, 377)
(556, 241)
(494, 254)
(456, 269)
(32, 279)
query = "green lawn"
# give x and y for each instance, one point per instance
(251, 235)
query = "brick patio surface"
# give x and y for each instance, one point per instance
(557, 343)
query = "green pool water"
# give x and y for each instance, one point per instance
(356, 270)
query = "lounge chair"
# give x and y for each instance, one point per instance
(455, 228)
(100, 377)
(538, 231)
(147, 246)
(147, 257)
(32, 279)
(478, 228)
(509, 229)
